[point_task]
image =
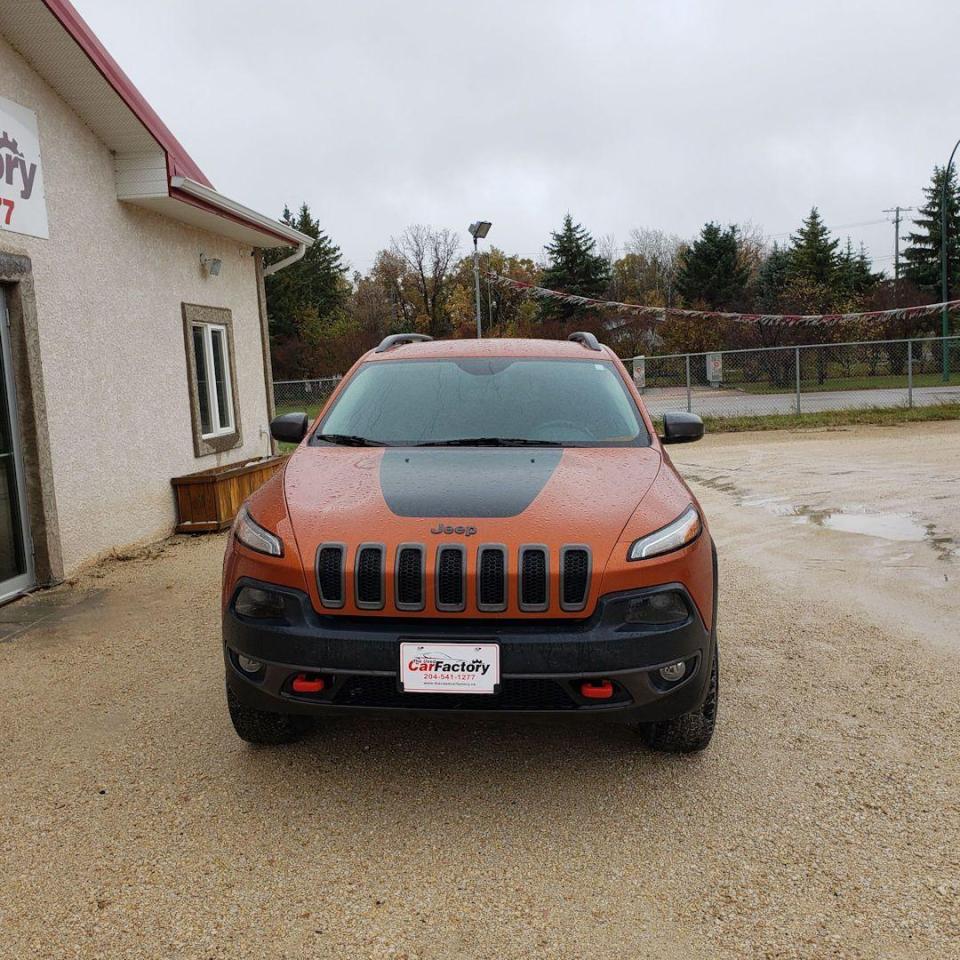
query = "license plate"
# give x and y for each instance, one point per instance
(449, 667)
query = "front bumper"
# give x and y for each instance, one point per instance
(542, 662)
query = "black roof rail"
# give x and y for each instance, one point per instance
(587, 339)
(387, 342)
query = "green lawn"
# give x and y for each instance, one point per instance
(811, 384)
(833, 418)
(310, 409)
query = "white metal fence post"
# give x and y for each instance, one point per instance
(797, 351)
(689, 397)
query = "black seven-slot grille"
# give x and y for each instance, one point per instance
(534, 582)
(451, 570)
(369, 576)
(330, 573)
(492, 577)
(574, 577)
(409, 588)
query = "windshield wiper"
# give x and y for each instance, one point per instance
(490, 442)
(348, 440)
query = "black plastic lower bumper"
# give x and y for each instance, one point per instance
(542, 662)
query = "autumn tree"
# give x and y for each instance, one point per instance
(401, 300)
(647, 271)
(504, 312)
(429, 256)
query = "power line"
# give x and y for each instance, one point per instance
(834, 229)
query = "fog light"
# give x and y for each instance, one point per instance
(668, 606)
(259, 604)
(247, 665)
(307, 683)
(674, 671)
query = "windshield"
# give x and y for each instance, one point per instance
(477, 401)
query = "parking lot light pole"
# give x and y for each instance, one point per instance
(478, 230)
(944, 294)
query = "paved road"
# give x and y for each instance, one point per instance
(734, 403)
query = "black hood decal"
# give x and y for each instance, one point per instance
(464, 481)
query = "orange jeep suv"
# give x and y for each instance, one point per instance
(469, 527)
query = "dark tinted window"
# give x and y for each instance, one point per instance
(571, 402)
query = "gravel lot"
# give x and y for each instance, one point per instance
(823, 822)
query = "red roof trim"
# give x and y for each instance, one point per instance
(179, 162)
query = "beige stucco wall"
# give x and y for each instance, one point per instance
(109, 285)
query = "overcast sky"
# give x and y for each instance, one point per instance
(656, 113)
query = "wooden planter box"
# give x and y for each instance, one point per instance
(210, 499)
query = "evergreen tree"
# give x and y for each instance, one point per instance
(712, 271)
(311, 292)
(813, 252)
(772, 279)
(574, 268)
(921, 259)
(853, 277)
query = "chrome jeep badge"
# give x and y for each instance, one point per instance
(462, 531)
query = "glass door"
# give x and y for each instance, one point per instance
(16, 554)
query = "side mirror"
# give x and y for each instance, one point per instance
(681, 428)
(289, 428)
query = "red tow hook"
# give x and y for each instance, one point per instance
(596, 689)
(307, 684)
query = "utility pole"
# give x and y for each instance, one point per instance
(944, 251)
(896, 211)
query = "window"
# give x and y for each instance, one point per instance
(576, 403)
(212, 378)
(214, 392)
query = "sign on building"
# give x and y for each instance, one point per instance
(714, 368)
(640, 372)
(23, 207)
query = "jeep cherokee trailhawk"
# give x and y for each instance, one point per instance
(474, 526)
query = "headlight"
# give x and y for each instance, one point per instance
(685, 529)
(252, 535)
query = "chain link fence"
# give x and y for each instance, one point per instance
(769, 380)
(802, 379)
(306, 395)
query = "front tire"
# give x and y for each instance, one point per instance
(691, 731)
(263, 727)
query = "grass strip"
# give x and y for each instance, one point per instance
(880, 416)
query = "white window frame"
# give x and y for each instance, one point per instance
(207, 330)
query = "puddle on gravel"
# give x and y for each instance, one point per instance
(887, 526)
(900, 527)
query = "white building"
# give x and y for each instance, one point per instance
(134, 339)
